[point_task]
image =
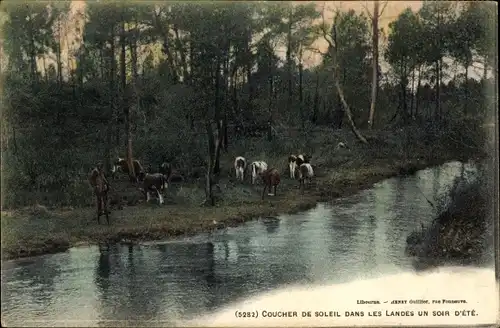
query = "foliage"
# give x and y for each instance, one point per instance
(179, 67)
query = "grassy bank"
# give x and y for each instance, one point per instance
(339, 172)
(462, 233)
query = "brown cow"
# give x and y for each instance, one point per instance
(100, 186)
(270, 178)
(120, 165)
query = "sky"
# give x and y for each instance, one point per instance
(391, 10)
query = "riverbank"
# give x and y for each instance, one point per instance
(38, 230)
(462, 233)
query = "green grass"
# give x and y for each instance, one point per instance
(36, 230)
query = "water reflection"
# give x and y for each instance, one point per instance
(272, 224)
(362, 235)
(37, 277)
(436, 186)
(103, 270)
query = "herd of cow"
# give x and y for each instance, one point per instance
(154, 183)
(299, 167)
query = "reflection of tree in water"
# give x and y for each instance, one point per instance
(41, 273)
(106, 266)
(401, 211)
(370, 254)
(141, 285)
(127, 285)
(343, 227)
(190, 268)
(272, 224)
(436, 185)
(211, 278)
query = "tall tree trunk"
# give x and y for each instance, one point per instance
(182, 52)
(210, 165)
(438, 69)
(170, 59)
(80, 72)
(466, 88)
(59, 54)
(101, 60)
(234, 93)
(412, 99)
(403, 101)
(417, 93)
(289, 62)
(125, 104)
(374, 63)
(112, 110)
(249, 64)
(301, 100)
(270, 107)
(164, 31)
(339, 113)
(14, 139)
(316, 100)
(438, 82)
(45, 72)
(439, 90)
(135, 75)
(217, 114)
(32, 50)
(226, 96)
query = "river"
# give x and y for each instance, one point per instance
(167, 283)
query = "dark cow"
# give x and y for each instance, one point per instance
(155, 182)
(270, 178)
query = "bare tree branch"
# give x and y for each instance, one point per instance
(367, 10)
(324, 25)
(383, 8)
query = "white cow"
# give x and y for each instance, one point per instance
(306, 172)
(292, 165)
(258, 167)
(240, 164)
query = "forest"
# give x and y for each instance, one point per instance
(198, 83)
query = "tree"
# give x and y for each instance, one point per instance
(375, 71)
(332, 53)
(437, 27)
(401, 54)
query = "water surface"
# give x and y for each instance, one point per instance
(357, 237)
